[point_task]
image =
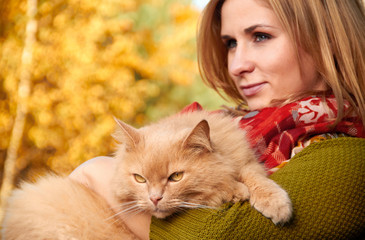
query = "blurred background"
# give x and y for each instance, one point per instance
(68, 66)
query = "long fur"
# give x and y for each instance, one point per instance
(60, 208)
(209, 153)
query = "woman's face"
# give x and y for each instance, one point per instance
(262, 60)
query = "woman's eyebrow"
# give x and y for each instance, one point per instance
(253, 27)
(226, 37)
(249, 30)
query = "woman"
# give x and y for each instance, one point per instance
(272, 56)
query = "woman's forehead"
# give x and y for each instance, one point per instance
(246, 14)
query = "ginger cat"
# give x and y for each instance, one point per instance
(190, 160)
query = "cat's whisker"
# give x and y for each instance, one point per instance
(112, 216)
(125, 211)
(181, 209)
(185, 209)
(130, 209)
(194, 205)
(116, 220)
(123, 205)
(133, 213)
(127, 203)
(130, 213)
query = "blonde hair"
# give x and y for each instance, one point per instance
(332, 32)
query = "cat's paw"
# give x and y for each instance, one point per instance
(273, 203)
(241, 193)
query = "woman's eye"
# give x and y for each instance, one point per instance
(259, 37)
(139, 178)
(231, 43)
(177, 176)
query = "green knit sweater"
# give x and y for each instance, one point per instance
(326, 182)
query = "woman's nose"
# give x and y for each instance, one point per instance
(240, 62)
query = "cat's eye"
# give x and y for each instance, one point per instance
(139, 178)
(177, 176)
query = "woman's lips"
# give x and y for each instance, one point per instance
(251, 90)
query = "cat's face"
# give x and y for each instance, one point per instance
(161, 174)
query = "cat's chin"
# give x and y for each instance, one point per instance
(161, 214)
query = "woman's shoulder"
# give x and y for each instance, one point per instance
(332, 151)
(335, 145)
(325, 183)
(334, 156)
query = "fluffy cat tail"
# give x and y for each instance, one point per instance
(60, 208)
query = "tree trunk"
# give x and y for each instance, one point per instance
(22, 106)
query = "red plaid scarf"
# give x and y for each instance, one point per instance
(275, 131)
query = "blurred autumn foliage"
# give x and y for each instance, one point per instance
(92, 60)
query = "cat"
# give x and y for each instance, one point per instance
(189, 160)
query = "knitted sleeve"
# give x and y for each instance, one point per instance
(326, 182)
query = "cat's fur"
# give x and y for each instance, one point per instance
(208, 150)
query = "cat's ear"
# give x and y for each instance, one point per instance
(199, 138)
(126, 134)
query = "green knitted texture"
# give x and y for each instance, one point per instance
(326, 183)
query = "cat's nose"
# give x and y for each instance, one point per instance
(155, 200)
